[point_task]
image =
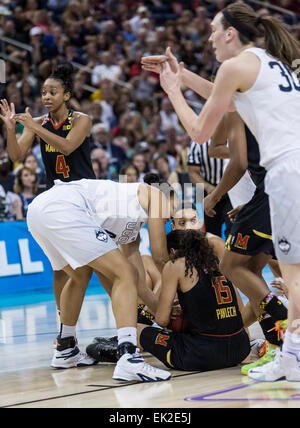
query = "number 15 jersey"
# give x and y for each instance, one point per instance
(270, 109)
(73, 167)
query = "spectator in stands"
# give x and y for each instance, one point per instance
(107, 171)
(102, 139)
(31, 161)
(138, 160)
(26, 186)
(107, 69)
(162, 150)
(168, 115)
(129, 174)
(6, 176)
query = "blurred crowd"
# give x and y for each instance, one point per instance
(135, 129)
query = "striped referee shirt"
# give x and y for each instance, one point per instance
(211, 169)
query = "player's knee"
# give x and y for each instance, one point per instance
(81, 277)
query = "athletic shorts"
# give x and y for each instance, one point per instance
(283, 187)
(194, 352)
(251, 233)
(63, 226)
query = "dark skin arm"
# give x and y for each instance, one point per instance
(218, 145)
(80, 130)
(238, 161)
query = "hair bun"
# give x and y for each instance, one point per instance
(151, 178)
(64, 70)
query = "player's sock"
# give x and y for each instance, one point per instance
(268, 327)
(274, 307)
(292, 344)
(67, 331)
(127, 334)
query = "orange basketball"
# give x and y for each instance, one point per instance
(179, 324)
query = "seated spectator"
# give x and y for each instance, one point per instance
(96, 167)
(168, 116)
(26, 186)
(6, 176)
(102, 139)
(10, 206)
(129, 174)
(138, 159)
(107, 171)
(31, 161)
(162, 150)
(106, 70)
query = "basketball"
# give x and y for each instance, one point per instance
(179, 324)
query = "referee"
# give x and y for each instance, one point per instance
(208, 171)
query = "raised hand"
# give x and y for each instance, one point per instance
(25, 118)
(8, 114)
(170, 80)
(153, 63)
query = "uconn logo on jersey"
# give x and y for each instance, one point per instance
(289, 80)
(101, 236)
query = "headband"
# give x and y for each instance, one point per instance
(234, 24)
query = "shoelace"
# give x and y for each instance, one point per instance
(145, 365)
(262, 350)
(280, 330)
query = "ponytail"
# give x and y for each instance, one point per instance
(278, 42)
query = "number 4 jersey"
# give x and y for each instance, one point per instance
(75, 166)
(270, 109)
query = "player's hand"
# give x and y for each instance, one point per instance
(234, 213)
(7, 114)
(280, 285)
(25, 118)
(209, 203)
(176, 310)
(153, 63)
(170, 81)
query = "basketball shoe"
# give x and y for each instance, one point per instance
(270, 352)
(103, 349)
(132, 367)
(284, 367)
(68, 355)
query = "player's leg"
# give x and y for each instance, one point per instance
(287, 362)
(246, 273)
(60, 279)
(67, 353)
(131, 366)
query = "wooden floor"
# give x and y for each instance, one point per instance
(26, 380)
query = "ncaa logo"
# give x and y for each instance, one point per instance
(101, 236)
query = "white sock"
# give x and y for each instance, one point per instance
(67, 331)
(127, 334)
(291, 344)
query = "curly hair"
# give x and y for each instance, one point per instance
(195, 248)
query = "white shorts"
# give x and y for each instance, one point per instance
(282, 184)
(66, 230)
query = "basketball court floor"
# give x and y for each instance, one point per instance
(28, 326)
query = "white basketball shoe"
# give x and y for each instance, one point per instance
(285, 366)
(68, 355)
(132, 367)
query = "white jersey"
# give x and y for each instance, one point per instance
(114, 205)
(271, 108)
